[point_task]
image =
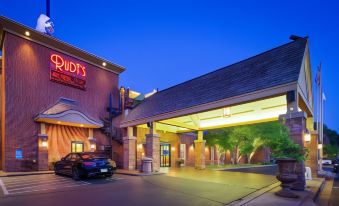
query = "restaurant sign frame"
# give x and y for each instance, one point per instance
(68, 71)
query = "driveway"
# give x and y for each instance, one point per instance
(183, 186)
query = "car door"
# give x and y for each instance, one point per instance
(67, 164)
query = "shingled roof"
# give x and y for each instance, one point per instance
(272, 68)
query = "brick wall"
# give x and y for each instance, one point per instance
(28, 91)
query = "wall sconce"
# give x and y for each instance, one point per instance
(173, 149)
(191, 147)
(43, 140)
(93, 146)
(320, 146)
(44, 143)
(139, 146)
(307, 136)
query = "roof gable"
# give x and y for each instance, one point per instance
(272, 68)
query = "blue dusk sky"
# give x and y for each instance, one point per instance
(163, 43)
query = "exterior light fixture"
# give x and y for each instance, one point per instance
(307, 136)
(92, 146)
(81, 125)
(27, 33)
(44, 143)
(104, 64)
(227, 112)
(58, 122)
(320, 146)
(173, 148)
(139, 146)
(191, 147)
(43, 140)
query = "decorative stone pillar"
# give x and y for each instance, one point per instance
(129, 146)
(153, 147)
(199, 151)
(43, 149)
(296, 122)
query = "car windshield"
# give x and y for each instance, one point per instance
(86, 156)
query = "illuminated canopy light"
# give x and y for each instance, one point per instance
(27, 33)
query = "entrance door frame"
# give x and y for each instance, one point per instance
(169, 154)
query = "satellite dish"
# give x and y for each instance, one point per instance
(45, 25)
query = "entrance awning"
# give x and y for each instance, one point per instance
(64, 112)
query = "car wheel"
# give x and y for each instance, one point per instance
(109, 175)
(75, 174)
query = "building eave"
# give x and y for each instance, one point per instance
(260, 94)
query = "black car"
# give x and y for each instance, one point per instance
(85, 164)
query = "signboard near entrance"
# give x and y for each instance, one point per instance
(66, 70)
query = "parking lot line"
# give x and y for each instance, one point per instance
(42, 185)
(52, 188)
(4, 190)
(35, 182)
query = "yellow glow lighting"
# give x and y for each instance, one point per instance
(104, 64)
(320, 146)
(173, 148)
(81, 125)
(27, 33)
(191, 147)
(44, 143)
(92, 146)
(139, 146)
(307, 137)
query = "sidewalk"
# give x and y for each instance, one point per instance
(307, 197)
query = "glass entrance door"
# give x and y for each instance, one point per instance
(165, 155)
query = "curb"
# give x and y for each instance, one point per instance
(245, 167)
(140, 174)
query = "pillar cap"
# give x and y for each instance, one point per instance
(129, 138)
(293, 115)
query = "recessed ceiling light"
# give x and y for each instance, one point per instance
(81, 125)
(27, 33)
(104, 64)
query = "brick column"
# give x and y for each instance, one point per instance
(199, 151)
(42, 149)
(129, 146)
(153, 150)
(296, 122)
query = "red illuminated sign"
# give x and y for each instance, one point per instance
(67, 71)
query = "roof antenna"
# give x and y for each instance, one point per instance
(48, 10)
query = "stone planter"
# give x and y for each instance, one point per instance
(286, 175)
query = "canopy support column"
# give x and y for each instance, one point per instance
(153, 147)
(199, 151)
(129, 150)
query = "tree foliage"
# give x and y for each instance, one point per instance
(246, 140)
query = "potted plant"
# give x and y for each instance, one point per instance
(180, 162)
(289, 157)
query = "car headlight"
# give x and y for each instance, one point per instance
(111, 162)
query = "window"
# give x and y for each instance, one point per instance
(77, 146)
(18, 154)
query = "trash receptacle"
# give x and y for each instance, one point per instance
(146, 165)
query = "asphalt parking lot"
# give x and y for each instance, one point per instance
(22, 185)
(184, 186)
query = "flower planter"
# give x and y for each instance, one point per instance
(287, 175)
